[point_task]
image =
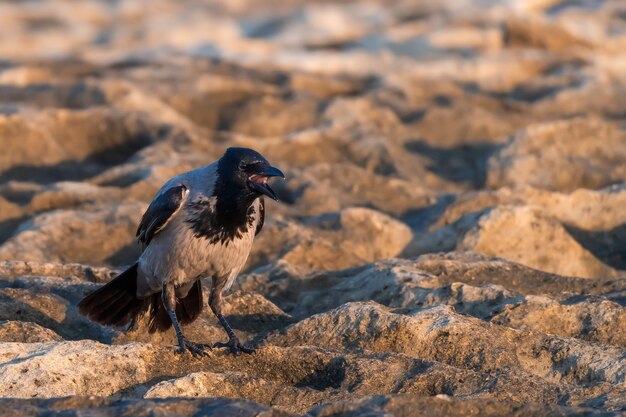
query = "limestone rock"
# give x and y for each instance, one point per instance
(351, 237)
(449, 240)
(408, 405)
(599, 321)
(336, 240)
(62, 136)
(61, 369)
(26, 332)
(107, 407)
(104, 234)
(562, 156)
(238, 385)
(523, 235)
(442, 335)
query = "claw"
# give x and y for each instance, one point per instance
(197, 350)
(235, 347)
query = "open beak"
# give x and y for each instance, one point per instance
(258, 181)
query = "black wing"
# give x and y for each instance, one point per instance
(159, 212)
(259, 225)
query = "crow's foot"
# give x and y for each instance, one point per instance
(196, 349)
(235, 347)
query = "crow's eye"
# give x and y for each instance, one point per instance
(242, 166)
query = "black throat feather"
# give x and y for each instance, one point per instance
(227, 215)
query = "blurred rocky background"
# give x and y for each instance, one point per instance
(452, 233)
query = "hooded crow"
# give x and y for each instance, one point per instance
(200, 224)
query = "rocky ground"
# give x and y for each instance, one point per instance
(452, 236)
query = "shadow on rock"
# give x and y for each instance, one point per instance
(332, 376)
(465, 163)
(78, 170)
(607, 245)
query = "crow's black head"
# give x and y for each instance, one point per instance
(248, 170)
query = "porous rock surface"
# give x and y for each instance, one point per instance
(452, 228)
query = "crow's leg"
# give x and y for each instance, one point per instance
(169, 302)
(215, 302)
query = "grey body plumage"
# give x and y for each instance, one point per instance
(179, 254)
(200, 224)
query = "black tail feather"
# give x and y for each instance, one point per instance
(116, 303)
(188, 309)
(159, 319)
